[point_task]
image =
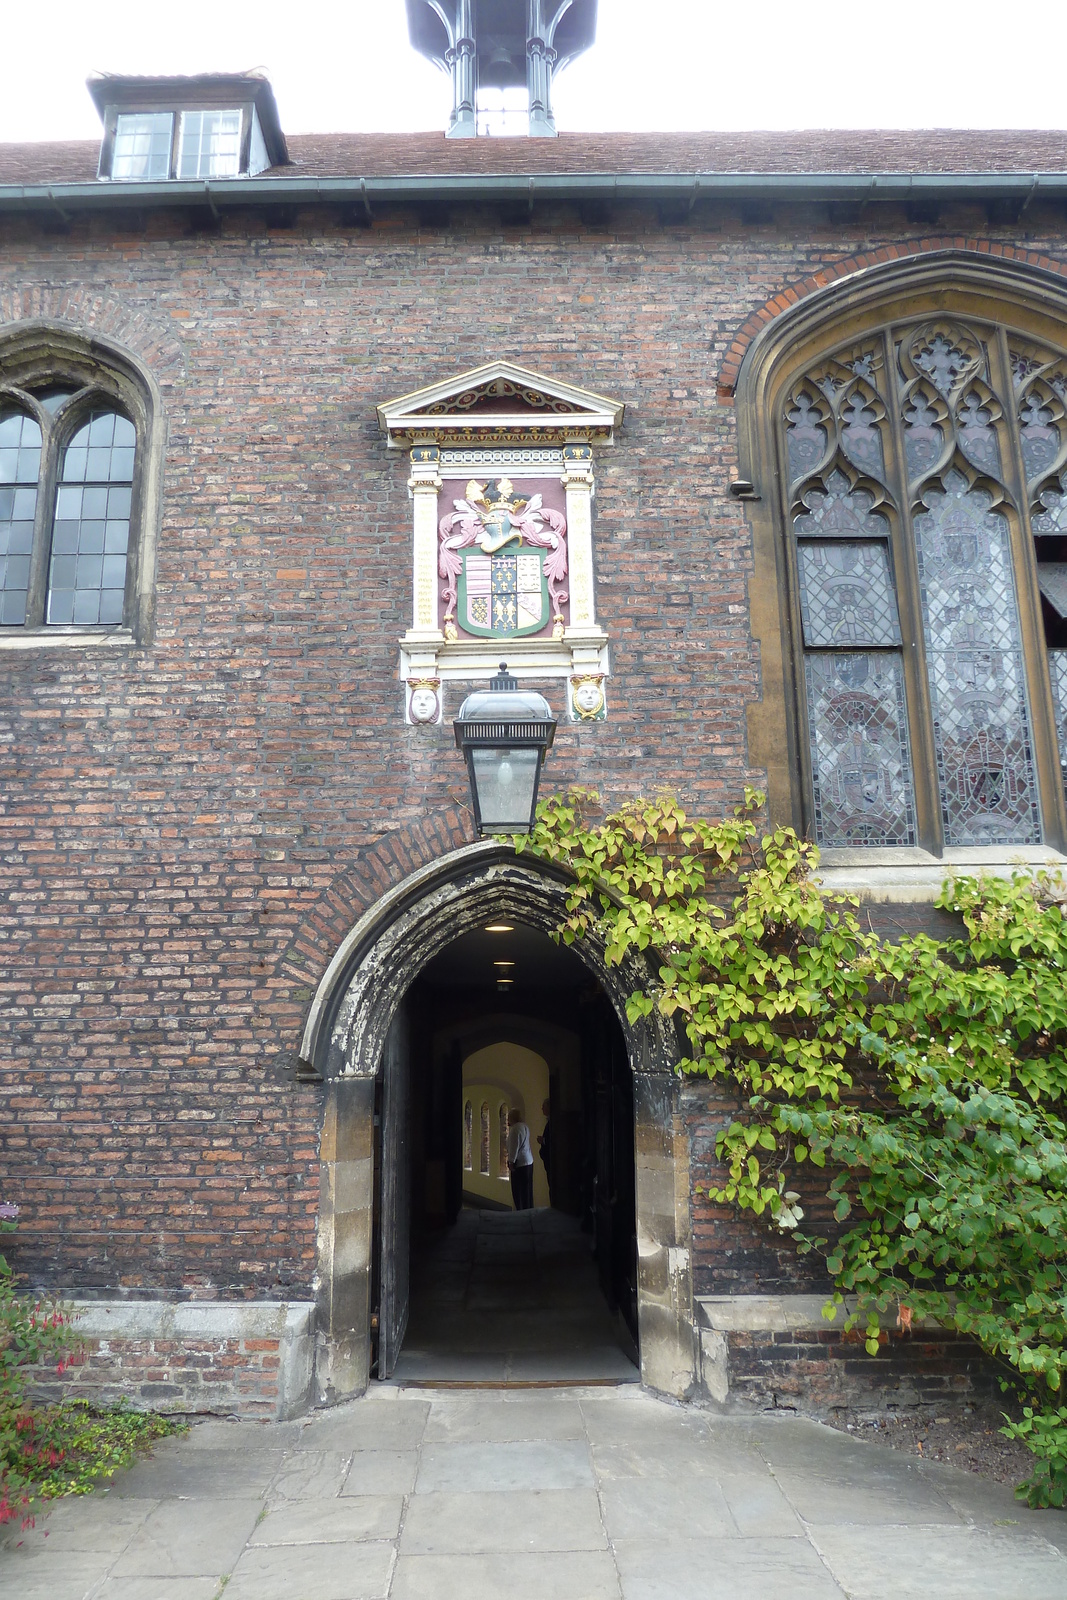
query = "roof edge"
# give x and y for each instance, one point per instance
(687, 188)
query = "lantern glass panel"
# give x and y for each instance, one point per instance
(505, 781)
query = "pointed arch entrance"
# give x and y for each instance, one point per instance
(354, 1041)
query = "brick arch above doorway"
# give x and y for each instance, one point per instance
(382, 954)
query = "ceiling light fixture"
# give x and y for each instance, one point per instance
(503, 963)
(500, 927)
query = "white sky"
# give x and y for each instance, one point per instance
(346, 65)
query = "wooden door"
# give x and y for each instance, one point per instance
(394, 1236)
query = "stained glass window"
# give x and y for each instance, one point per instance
(846, 596)
(902, 470)
(20, 467)
(90, 538)
(1057, 660)
(974, 657)
(860, 764)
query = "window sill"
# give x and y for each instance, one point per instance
(63, 638)
(909, 876)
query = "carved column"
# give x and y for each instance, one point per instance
(578, 483)
(424, 483)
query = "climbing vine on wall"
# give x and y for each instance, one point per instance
(926, 1077)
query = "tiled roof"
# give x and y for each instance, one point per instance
(387, 155)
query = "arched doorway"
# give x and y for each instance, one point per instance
(357, 1039)
(505, 1020)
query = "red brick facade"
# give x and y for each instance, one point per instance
(191, 827)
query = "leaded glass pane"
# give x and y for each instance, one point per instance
(1038, 436)
(1052, 519)
(978, 436)
(142, 145)
(210, 144)
(20, 464)
(846, 594)
(974, 656)
(805, 437)
(860, 762)
(90, 535)
(861, 437)
(1057, 665)
(839, 512)
(924, 439)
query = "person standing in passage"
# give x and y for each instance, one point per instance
(520, 1161)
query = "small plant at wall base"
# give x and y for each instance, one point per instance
(61, 1449)
(927, 1077)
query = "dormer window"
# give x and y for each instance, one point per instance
(142, 145)
(215, 126)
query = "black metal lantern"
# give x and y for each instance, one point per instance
(504, 732)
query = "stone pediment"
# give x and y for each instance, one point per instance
(499, 403)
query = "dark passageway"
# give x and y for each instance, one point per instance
(469, 1289)
(510, 1296)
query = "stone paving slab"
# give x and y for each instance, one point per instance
(951, 1563)
(577, 1575)
(557, 1464)
(575, 1494)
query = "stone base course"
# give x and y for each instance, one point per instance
(780, 1352)
(251, 1360)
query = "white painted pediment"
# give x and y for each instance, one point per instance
(496, 402)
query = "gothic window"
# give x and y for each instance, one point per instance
(468, 1131)
(502, 1149)
(925, 472)
(483, 1159)
(72, 493)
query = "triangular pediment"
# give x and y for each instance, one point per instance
(499, 401)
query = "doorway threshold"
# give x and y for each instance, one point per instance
(513, 1383)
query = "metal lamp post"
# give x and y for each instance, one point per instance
(504, 732)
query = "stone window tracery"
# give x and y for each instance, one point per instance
(925, 464)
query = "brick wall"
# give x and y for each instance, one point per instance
(187, 826)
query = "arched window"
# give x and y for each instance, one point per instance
(483, 1164)
(921, 467)
(502, 1149)
(78, 487)
(468, 1130)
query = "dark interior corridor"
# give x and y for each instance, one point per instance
(468, 1289)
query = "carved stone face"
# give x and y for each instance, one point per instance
(423, 705)
(589, 696)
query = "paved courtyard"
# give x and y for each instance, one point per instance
(563, 1494)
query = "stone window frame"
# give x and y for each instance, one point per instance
(38, 354)
(949, 283)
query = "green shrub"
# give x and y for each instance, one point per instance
(927, 1077)
(61, 1449)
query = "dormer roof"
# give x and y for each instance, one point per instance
(118, 93)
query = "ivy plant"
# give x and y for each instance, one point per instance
(925, 1076)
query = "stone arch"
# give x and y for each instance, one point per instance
(345, 1036)
(380, 958)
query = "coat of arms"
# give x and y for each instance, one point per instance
(504, 563)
